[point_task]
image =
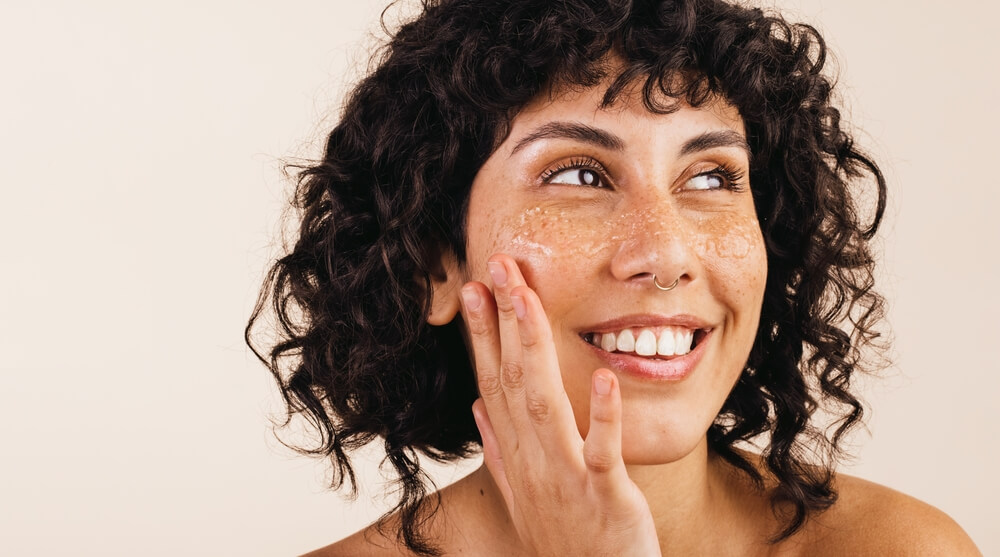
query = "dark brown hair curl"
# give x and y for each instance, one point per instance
(355, 355)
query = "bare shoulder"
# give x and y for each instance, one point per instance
(365, 543)
(463, 523)
(871, 519)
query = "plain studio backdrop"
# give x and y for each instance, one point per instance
(141, 194)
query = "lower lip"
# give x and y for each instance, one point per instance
(674, 369)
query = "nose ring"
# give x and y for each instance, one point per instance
(673, 285)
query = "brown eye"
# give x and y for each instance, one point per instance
(578, 177)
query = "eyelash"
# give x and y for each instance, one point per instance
(582, 163)
(731, 177)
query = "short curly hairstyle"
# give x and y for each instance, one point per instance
(355, 355)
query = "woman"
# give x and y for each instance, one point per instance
(611, 244)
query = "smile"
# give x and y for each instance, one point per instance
(648, 341)
(650, 347)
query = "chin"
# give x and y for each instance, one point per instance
(651, 447)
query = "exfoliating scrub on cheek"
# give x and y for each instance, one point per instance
(543, 235)
(555, 232)
(732, 249)
(734, 237)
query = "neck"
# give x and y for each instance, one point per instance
(700, 504)
(680, 494)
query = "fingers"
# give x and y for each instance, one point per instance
(480, 315)
(517, 366)
(531, 446)
(602, 450)
(546, 404)
(506, 276)
(529, 366)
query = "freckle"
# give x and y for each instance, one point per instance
(481, 492)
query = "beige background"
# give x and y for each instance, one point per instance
(140, 198)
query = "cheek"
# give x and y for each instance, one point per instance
(732, 252)
(547, 240)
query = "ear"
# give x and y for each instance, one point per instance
(446, 284)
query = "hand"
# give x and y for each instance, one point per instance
(565, 495)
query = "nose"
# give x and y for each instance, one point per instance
(655, 241)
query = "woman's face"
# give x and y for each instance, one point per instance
(592, 202)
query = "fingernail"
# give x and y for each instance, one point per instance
(498, 273)
(519, 309)
(471, 298)
(602, 384)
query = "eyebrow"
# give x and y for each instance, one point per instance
(608, 140)
(714, 139)
(572, 130)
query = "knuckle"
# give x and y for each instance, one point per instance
(598, 461)
(478, 328)
(512, 375)
(538, 409)
(489, 385)
(535, 339)
(530, 341)
(505, 308)
(604, 415)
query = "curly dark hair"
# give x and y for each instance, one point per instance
(355, 355)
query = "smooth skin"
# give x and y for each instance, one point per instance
(581, 458)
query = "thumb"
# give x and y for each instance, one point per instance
(602, 450)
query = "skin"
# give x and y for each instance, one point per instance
(583, 457)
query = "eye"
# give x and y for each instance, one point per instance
(706, 182)
(578, 177)
(581, 172)
(716, 179)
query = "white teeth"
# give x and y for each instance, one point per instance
(608, 342)
(672, 341)
(645, 345)
(682, 341)
(625, 341)
(665, 347)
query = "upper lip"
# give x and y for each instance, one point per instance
(637, 321)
